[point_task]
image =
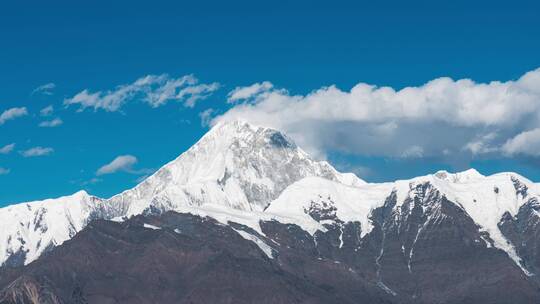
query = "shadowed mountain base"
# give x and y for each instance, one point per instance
(182, 258)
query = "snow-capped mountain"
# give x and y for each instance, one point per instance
(29, 229)
(268, 191)
(246, 174)
(235, 167)
(487, 200)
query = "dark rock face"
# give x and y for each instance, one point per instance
(188, 260)
(426, 250)
(16, 258)
(430, 251)
(523, 231)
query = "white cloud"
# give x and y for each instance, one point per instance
(242, 93)
(4, 171)
(92, 181)
(185, 89)
(527, 142)
(12, 113)
(120, 163)
(51, 123)
(47, 111)
(45, 89)
(155, 90)
(7, 149)
(430, 120)
(206, 116)
(37, 151)
(413, 152)
(482, 145)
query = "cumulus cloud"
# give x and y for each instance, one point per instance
(442, 118)
(47, 111)
(46, 89)
(7, 149)
(4, 171)
(155, 90)
(51, 123)
(122, 163)
(527, 143)
(243, 93)
(12, 113)
(37, 151)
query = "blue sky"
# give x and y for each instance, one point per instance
(299, 47)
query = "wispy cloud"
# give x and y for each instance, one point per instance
(413, 152)
(206, 116)
(37, 151)
(155, 90)
(193, 94)
(12, 113)
(91, 181)
(7, 149)
(4, 171)
(242, 93)
(47, 111)
(51, 123)
(46, 89)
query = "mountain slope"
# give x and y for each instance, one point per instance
(183, 258)
(403, 239)
(236, 167)
(29, 229)
(487, 201)
(175, 258)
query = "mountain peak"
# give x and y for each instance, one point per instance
(236, 165)
(234, 124)
(240, 130)
(463, 176)
(233, 127)
(80, 194)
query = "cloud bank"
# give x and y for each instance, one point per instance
(155, 90)
(443, 118)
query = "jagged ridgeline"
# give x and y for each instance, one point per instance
(246, 216)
